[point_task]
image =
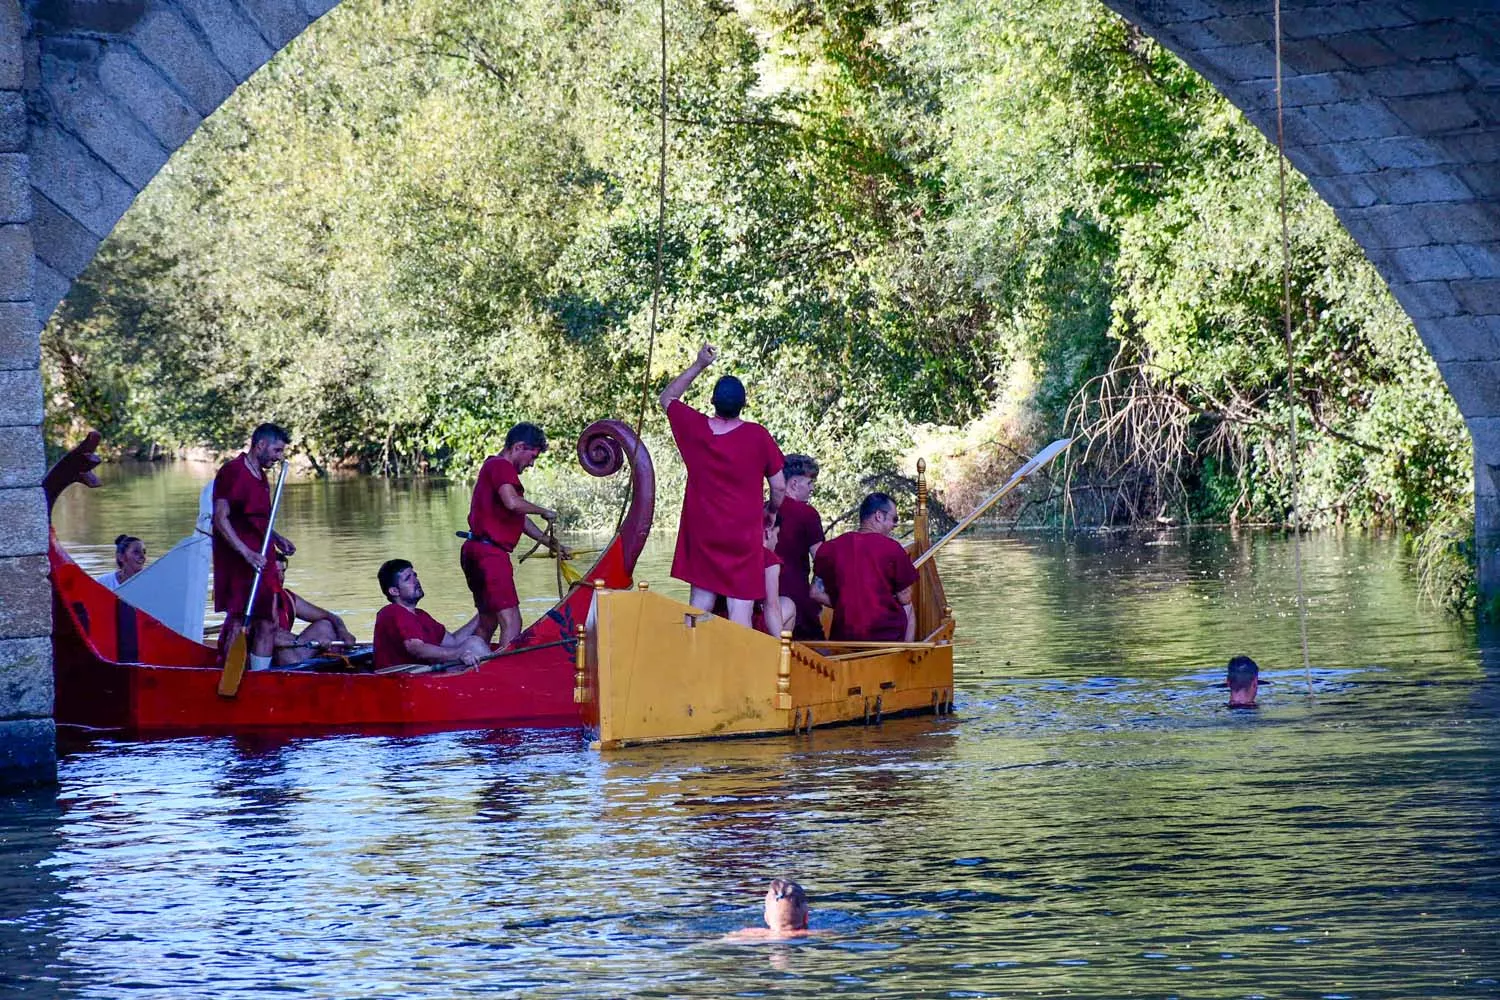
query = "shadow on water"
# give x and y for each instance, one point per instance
(1093, 823)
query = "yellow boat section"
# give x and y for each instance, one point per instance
(651, 668)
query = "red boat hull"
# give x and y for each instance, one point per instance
(117, 668)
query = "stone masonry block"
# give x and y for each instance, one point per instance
(1414, 187)
(1385, 226)
(77, 181)
(1438, 113)
(182, 56)
(1433, 40)
(317, 8)
(15, 188)
(1482, 259)
(233, 37)
(1430, 263)
(280, 20)
(1422, 300)
(1462, 222)
(1483, 179)
(106, 128)
(28, 753)
(1481, 145)
(1346, 192)
(1310, 56)
(1355, 120)
(20, 401)
(1475, 385)
(51, 289)
(1333, 158)
(1406, 80)
(1405, 152)
(12, 61)
(1484, 69)
(1237, 63)
(25, 598)
(61, 243)
(1359, 49)
(23, 458)
(1239, 30)
(1481, 297)
(1462, 338)
(136, 85)
(15, 263)
(1485, 432)
(26, 677)
(12, 122)
(20, 337)
(23, 515)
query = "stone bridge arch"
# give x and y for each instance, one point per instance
(1393, 114)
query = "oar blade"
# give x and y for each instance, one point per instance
(234, 664)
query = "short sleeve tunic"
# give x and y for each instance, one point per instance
(801, 529)
(720, 537)
(249, 499)
(862, 571)
(395, 624)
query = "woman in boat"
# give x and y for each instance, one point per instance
(720, 537)
(868, 578)
(777, 612)
(801, 532)
(130, 559)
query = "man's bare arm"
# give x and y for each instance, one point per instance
(707, 354)
(904, 596)
(778, 490)
(221, 525)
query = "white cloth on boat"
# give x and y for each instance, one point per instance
(174, 588)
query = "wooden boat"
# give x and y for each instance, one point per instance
(653, 669)
(117, 668)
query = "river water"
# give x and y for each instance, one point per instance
(1091, 823)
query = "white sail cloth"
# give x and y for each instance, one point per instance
(174, 588)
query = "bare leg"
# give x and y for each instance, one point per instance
(788, 614)
(741, 612)
(262, 637)
(296, 648)
(510, 626)
(702, 599)
(474, 644)
(487, 622)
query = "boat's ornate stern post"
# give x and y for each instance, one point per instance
(77, 466)
(603, 448)
(580, 666)
(784, 674)
(919, 516)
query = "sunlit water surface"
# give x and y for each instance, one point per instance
(1092, 823)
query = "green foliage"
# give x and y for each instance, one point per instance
(423, 222)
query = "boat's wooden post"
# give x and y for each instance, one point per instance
(919, 516)
(580, 665)
(643, 586)
(784, 673)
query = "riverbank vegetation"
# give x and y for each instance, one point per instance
(973, 225)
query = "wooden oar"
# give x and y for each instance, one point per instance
(1041, 458)
(234, 660)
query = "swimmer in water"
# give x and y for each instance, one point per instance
(1244, 681)
(786, 914)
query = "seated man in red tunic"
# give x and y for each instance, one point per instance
(720, 546)
(405, 633)
(324, 627)
(801, 532)
(241, 514)
(497, 519)
(868, 578)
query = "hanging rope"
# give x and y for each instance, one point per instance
(1291, 365)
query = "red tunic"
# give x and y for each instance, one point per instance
(862, 573)
(249, 498)
(395, 624)
(487, 568)
(286, 610)
(721, 535)
(801, 529)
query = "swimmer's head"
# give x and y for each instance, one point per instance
(786, 906)
(1244, 681)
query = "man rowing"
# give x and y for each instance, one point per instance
(324, 628)
(868, 578)
(404, 633)
(800, 534)
(498, 517)
(720, 539)
(241, 515)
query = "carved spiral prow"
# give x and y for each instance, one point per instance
(77, 466)
(603, 448)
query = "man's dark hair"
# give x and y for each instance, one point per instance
(389, 570)
(874, 504)
(1242, 670)
(528, 434)
(270, 432)
(800, 465)
(729, 397)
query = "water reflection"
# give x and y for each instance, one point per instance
(1092, 822)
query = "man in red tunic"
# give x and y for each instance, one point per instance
(323, 629)
(404, 633)
(868, 577)
(241, 514)
(801, 534)
(497, 520)
(720, 538)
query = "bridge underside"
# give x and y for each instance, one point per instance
(1393, 114)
